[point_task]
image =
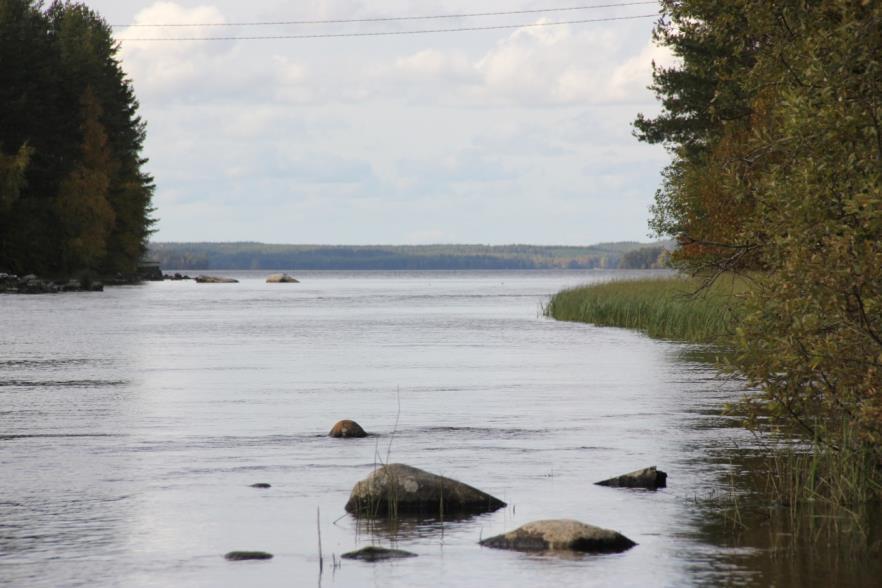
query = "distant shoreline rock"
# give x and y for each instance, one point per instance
(215, 280)
(31, 284)
(282, 279)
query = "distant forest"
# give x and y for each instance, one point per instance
(624, 255)
(73, 195)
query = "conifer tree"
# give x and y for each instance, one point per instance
(84, 211)
(61, 89)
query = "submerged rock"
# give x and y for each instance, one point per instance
(261, 485)
(397, 489)
(215, 280)
(374, 553)
(649, 478)
(282, 279)
(246, 555)
(561, 535)
(347, 428)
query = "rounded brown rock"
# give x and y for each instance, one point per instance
(561, 535)
(346, 429)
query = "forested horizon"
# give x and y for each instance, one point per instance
(73, 194)
(255, 255)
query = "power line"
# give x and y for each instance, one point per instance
(388, 33)
(384, 19)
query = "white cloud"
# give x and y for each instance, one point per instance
(483, 136)
(535, 66)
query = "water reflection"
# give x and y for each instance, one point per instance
(812, 544)
(404, 529)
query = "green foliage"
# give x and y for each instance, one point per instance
(668, 308)
(78, 198)
(791, 188)
(12, 176)
(646, 258)
(84, 210)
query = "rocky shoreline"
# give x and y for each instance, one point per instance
(32, 284)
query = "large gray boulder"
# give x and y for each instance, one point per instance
(282, 279)
(561, 535)
(396, 489)
(215, 280)
(649, 478)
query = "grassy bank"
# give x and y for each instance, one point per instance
(667, 308)
(796, 474)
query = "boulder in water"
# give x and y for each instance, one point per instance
(649, 478)
(374, 553)
(247, 555)
(282, 279)
(561, 535)
(396, 489)
(347, 428)
(215, 280)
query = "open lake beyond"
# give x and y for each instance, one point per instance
(133, 423)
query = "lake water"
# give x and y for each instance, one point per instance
(133, 422)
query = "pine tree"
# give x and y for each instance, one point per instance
(61, 89)
(84, 212)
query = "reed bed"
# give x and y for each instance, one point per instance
(672, 307)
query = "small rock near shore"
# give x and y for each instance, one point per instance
(649, 478)
(282, 279)
(374, 553)
(398, 489)
(347, 428)
(247, 555)
(261, 485)
(561, 535)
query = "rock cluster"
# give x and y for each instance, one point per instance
(31, 284)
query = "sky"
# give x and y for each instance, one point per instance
(496, 136)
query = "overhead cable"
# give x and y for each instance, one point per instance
(385, 18)
(390, 33)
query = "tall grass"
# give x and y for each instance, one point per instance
(667, 308)
(797, 478)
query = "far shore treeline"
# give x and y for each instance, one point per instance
(623, 255)
(73, 195)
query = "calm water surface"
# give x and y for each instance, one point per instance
(133, 421)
